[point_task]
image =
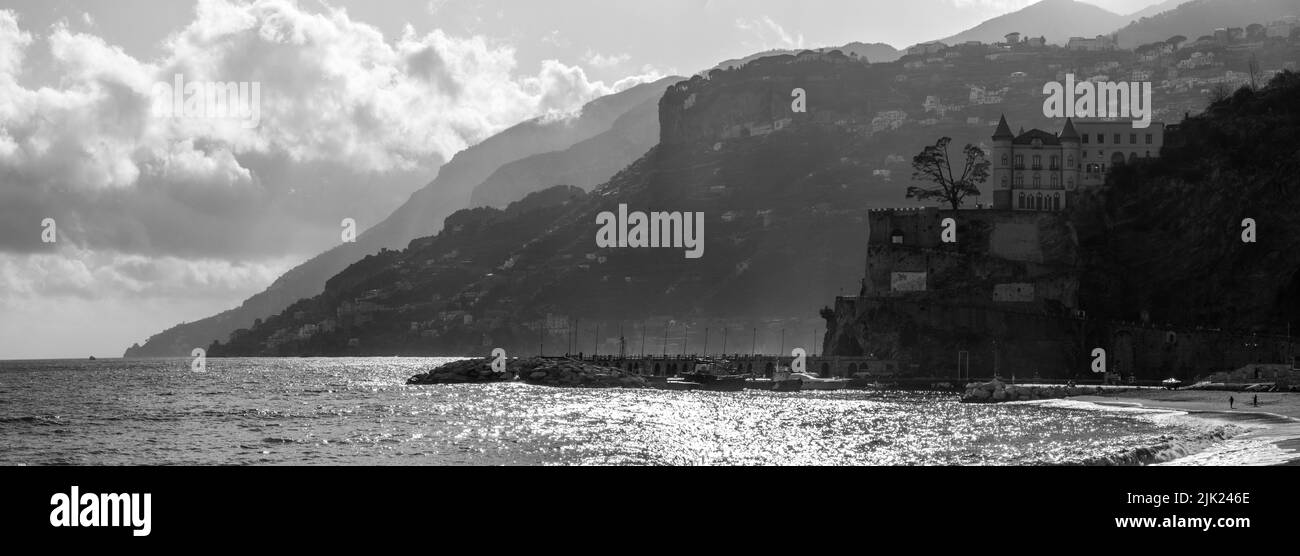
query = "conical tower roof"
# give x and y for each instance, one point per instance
(1004, 130)
(1069, 133)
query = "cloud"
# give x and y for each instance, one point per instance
(350, 123)
(769, 34)
(88, 275)
(602, 61)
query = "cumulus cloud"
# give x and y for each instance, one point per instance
(349, 121)
(605, 61)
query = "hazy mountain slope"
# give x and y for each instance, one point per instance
(1201, 17)
(1057, 20)
(420, 216)
(1155, 9)
(586, 164)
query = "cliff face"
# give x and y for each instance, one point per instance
(1006, 286)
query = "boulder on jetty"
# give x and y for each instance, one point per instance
(996, 391)
(535, 370)
(468, 371)
(574, 374)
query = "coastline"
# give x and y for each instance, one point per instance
(1272, 429)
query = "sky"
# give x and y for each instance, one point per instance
(162, 220)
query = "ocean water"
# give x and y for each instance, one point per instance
(361, 412)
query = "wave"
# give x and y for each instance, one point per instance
(1225, 439)
(1169, 449)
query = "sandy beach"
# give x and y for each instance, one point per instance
(1275, 421)
(1278, 403)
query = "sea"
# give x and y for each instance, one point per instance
(360, 411)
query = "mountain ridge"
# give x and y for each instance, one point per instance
(1056, 20)
(421, 215)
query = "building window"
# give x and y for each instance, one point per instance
(1004, 159)
(1085, 138)
(1055, 181)
(1038, 181)
(1117, 139)
(1101, 138)
(1069, 162)
(1056, 162)
(1020, 161)
(1038, 162)
(1148, 138)
(1056, 202)
(1132, 138)
(1069, 183)
(1148, 154)
(1004, 182)
(1020, 180)
(1022, 200)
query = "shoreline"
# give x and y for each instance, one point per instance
(1272, 429)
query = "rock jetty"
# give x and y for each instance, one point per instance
(997, 391)
(572, 373)
(468, 371)
(534, 370)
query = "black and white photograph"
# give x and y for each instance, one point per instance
(917, 242)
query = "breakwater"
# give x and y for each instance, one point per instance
(996, 391)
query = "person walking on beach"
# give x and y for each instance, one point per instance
(1230, 402)
(1256, 401)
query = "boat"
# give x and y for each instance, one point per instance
(787, 381)
(675, 384)
(811, 382)
(716, 376)
(1171, 383)
(784, 381)
(734, 383)
(794, 385)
